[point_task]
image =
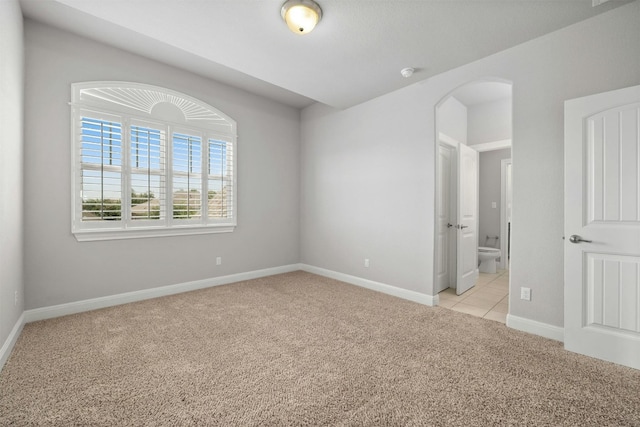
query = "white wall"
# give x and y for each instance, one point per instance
(488, 122)
(11, 151)
(368, 172)
(490, 191)
(366, 185)
(58, 269)
(452, 120)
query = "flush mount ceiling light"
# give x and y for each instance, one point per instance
(301, 16)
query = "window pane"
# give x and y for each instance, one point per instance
(101, 142)
(100, 175)
(186, 198)
(147, 177)
(147, 196)
(187, 178)
(220, 179)
(187, 156)
(101, 195)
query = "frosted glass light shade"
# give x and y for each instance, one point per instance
(301, 16)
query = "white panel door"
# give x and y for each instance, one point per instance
(467, 225)
(602, 226)
(443, 216)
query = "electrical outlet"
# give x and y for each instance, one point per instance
(366, 262)
(525, 294)
(218, 260)
(15, 298)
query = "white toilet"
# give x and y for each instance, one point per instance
(487, 258)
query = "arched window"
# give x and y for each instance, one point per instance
(149, 161)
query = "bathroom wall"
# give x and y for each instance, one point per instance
(489, 122)
(490, 192)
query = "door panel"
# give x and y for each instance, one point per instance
(612, 159)
(613, 291)
(602, 205)
(467, 224)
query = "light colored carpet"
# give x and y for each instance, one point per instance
(299, 349)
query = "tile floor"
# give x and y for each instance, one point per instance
(489, 298)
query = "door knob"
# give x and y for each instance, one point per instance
(460, 227)
(449, 225)
(574, 238)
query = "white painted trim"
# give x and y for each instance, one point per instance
(452, 144)
(493, 145)
(535, 327)
(504, 229)
(140, 99)
(113, 300)
(10, 342)
(430, 300)
(137, 233)
(448, 258)
(443, 137)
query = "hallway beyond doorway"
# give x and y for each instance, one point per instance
(489, 298)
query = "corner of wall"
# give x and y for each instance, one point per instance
(11, 176)
(10, 342)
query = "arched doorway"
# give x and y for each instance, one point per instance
(473, 137)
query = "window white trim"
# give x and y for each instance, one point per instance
(143, 232)
(168, 112)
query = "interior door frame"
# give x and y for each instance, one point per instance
(467, 224)
(504, 228)
(444, 139)
(454, 200)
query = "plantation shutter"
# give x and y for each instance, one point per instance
(147, 147)
(140, 169)
(220, 179)
(187, 176)
(100, 168)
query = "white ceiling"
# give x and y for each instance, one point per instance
(482, 92)
(355, 53)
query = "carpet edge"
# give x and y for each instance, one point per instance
(430, 300)
(50, 312)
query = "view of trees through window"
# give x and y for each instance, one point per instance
(110, 209)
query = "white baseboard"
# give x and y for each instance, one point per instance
(374, 286)
(535, 327)
(515, 322)
(112, 300)
(7, 347)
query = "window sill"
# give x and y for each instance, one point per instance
(141, 233)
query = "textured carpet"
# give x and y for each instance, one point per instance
(299, 349)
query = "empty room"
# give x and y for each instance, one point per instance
(329, 212)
